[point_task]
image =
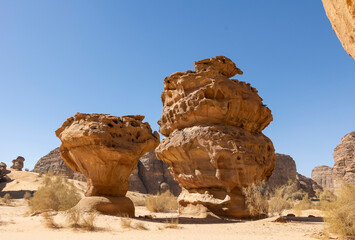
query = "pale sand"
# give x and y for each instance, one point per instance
(15, 222)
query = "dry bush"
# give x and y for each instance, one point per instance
(255, 200)
(173, 223)
(89, 221)
(162, 202)
(126, 222)
(6, 199)
(327, 195)
(340, 214)
(304, 204)
(139, 202)
(27, 196)
(73, 218)
(56, 193)
(49, 220)
(140, 226)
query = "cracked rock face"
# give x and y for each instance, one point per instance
(323, 175)
(106, 149)
(214, 144)
(341, 14)
(17, 164)
(344, 161)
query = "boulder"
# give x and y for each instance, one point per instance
(3, 172)
(344, 161)
(341, 14)
(17, 164)
(106, 149)
(323, 176)
(214, 146)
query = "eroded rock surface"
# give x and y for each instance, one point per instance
(106, 150)
(3, 172)
(214, 144)
(323, 176)
(344, 161)
(17, 163)
(285, 171)
(341, 14)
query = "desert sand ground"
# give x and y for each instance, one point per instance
(17, 223)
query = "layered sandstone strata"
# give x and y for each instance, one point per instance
(106, 149)
(323, 175)
(214, 145)
(341, 14)
(344, 161)
(17, 163)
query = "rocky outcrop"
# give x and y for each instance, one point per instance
(323, 176)
(140, 179)
(152, 176)
(307, 185)
(285, 170)
(3, 172)
(214, 144)
(341, 14)
(344, 161)
(53, 161)
(17, 164)
(106, 150)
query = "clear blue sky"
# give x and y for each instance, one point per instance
(62, 57)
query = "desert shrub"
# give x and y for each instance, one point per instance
(256, 202)
(304, 204)
(7, 199)
(56, 193)
(88, 221)
(126, 222)
(73, 218)
(173, 223)
(140, 226)
(278, 201)
(340, 214)
(49, 220)
(27, 196)
(162, 202)
(327, 195)
(139, 202)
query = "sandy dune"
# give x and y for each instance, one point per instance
(16, 223)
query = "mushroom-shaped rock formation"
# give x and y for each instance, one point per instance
(341, 14)
(106, 150)
(17, 163)
(214, 145)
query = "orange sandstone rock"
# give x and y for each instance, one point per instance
(341, 14)
(214, 145)
(106, 149)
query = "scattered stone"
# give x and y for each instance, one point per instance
(17, 164)
(281, 220)
(105, 149)
(214, 145)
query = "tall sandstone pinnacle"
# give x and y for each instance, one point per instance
(105, 149)
(214, 146)
(341, 14)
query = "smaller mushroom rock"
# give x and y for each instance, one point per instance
(17, 163)
(106, 150)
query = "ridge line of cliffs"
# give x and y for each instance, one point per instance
(344, 165)
(151, 176)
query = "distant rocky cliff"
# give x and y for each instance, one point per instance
(344, 165)
(150, 176)
(285, 170)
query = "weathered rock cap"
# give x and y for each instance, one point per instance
(220, 64)
(17, 163)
